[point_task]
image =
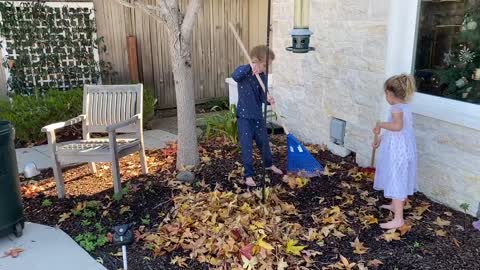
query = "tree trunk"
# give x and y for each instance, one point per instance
(187, 147)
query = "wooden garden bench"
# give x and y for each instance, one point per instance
(108, 109)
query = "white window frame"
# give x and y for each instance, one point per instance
(402, 35)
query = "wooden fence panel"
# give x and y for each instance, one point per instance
(215, 52)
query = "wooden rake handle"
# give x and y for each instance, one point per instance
(247, 55)
(372, 161)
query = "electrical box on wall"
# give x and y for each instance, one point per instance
(337, 131)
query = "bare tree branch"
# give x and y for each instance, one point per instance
(190, 18)
(172, 4)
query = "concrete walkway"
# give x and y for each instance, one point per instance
(45, 248)
(154, 139)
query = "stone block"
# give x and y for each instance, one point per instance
(353, 9)
(374, 48)
(379, 10)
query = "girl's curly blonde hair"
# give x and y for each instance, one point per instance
(402, 86)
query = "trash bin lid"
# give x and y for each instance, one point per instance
(5, 131)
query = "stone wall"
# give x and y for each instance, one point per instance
(343, 78)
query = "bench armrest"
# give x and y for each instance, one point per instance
(59, 125)
(134, 119)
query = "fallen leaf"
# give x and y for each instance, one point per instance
(370, 219)
(441, 222)
(405, 229)
(449, 214)
(124, 209)
(344, 263)
(249, 264)
(419, 210)
(293, 249)
(13, 252)
(374, 263)
(361, 266)
(441, 233)
(338, 234)
(358, 246)
(391, 235)
(327, 171)
(264, 245)
(118, 254)
(110, 237)
(64, 217)
(456, 242)
(246, 251)
(179, 261)
(282, 265)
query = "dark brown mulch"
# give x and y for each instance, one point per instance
(149, 196)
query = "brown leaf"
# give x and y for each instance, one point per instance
(441, 222)
(419, 210)
(440, 233)
(405, 229)
(110, 237)
(344, 263)
(370, 219)
(179, 261)
(375, 263)
(124, 209)
(358, 246)
(282, 265)
(456, 242)
(327, 171)
(391, 235)
(13, 252)
(64, 217)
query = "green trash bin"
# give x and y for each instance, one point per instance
(12, 219)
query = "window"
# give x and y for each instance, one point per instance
(447, 60)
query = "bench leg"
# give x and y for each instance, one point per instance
(59, 182)
(93, 167)
(117, 184)
(143, 160)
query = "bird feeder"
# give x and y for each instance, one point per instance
(301, 32)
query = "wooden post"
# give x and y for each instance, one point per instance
(132, 58)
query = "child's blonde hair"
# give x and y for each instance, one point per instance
(260, 52)
(402, 86)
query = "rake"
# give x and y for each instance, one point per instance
(299, 160)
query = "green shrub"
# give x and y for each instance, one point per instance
(29, 114)
(218, 104)
(149, 102)
(224, 124)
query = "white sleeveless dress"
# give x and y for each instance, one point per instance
(396, 162)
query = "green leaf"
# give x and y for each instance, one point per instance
(293, 249)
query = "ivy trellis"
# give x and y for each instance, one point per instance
(49, 45)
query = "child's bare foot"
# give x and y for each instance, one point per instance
(275, 169)
(394, 224)
(387, 206)
(250, 182)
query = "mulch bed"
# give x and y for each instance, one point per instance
(340, 206)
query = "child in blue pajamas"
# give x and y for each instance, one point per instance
(251, 126)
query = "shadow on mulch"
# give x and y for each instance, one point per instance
(148, 201)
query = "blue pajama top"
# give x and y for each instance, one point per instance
(250, 93)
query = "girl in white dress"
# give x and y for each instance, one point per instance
(396, 163)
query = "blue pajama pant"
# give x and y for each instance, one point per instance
(248, 131)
